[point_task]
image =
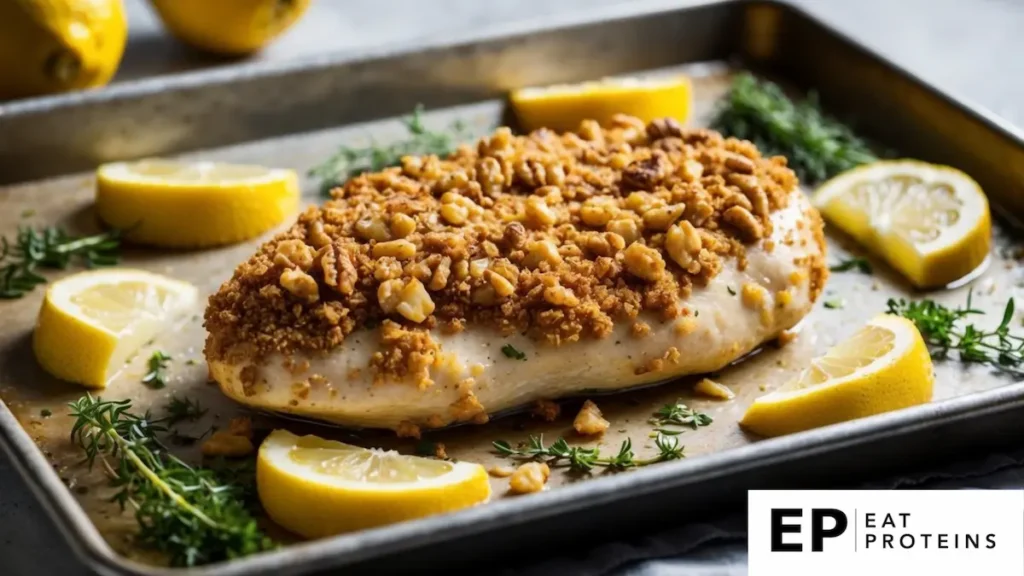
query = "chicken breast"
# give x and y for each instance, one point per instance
(526, 268)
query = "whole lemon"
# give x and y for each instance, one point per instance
(229, 27)
(49, 46)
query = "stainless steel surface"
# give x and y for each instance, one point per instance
(736, 464)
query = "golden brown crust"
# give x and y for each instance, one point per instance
(555, 236)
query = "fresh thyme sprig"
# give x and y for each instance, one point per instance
(817, 146)
(52, 247)
(191, 514)
(680, 414)
(181, 410)
(856, 263)
(348, 161)
(580, 459)
(156, 378)
(941, 329)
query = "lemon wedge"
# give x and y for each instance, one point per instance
(316, 487)
(91, 323)
(930, 222)
(562, 107)
(193, 204)
(885, 366)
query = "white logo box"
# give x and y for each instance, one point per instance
(886, 532)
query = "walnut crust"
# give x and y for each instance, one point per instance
(555, 236)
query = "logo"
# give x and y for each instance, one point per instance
(818, 530)
(882, 533)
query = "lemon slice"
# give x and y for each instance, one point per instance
(885, 366)
(562, 107)
(316, 487)
(90, 323)
(929, 222)
(193, 204)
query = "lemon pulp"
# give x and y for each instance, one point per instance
(930, 222)
(845, 358)
(885, 366)
(361, 465)
(90, 323)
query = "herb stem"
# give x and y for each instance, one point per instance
(146, 471)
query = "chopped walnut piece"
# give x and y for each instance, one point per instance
(407, 429)
(414, 302)
(644, 262)
(454, 214)
(589, 421)
(542, 251)
(625, 228)
(529, 478)
(748, 225)
(294, 254)
(501, 471)
(597, 212)
(538, 214)
(661, 218)
(402, 225)
(372, 229)
(683, 244)
(786, 336)
(501, 285)
(300, 284)
(547, 410)
(234, 442)
(401, 249)
(439, 451)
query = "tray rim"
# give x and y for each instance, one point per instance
(90, 547)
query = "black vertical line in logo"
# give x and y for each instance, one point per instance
(854, 529)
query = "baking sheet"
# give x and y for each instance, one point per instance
(720, 454)
(28, 391)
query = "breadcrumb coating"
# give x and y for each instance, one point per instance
(557, 236)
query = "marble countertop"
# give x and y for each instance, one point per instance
(969, 47)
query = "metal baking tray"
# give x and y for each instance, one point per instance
(292, 114)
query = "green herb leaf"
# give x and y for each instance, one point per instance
(834, 303)
(680, 414)
(940, 326)
(580, 459)
(194, 515)
(155, 378)
(816, 146)
(349, 162)
(181, 410)
(52, 247)
(859, 264)
(510, 351)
